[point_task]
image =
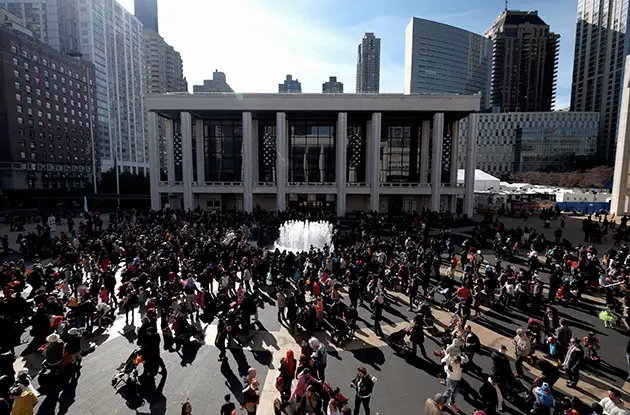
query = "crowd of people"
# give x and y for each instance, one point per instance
(179, 268)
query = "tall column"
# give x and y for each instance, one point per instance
(618, 204)
(424, 151)
(170, 150)
(471, 163)
(248, 196)
(154, 160)
(187, 165)
(282, 146)
(375, 164)
(436, 156)
(255, 151)
(341, 147)
(201, 158)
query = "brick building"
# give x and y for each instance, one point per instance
(46, 116)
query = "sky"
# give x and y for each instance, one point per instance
(258, 42)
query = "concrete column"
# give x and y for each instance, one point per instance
(436, 165)
(619, 202)
(375, 164)
(248, 179)
(255, 151)
(341, 144)
(201, 158)
(170, 150)
(424, 151)
(282, 156)
(187, 165)
(154, 160)
(454, 151)
(471, 163)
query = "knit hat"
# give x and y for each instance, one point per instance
(439, 398)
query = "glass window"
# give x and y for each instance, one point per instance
(23, 155)
(14, 47)
(19, 108)
(18, 97)
(16, 61)
(223, 146)
(17, 85)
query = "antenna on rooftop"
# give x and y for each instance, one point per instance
(506, 5)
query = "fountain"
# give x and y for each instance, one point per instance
(298, 236)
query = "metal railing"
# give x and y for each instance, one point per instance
(222, 184)
(265, 184)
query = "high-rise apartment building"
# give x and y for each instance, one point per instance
(147, 12)
(332, 86)
(290, 86)
(218, 83)
(598, 66)
(48, 126)
(440, 58)
(369, 64)
(103, 32)
(163, 72)
(524, 63)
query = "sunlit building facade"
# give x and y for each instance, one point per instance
(334, 152)
(440, 59)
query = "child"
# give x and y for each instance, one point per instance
(609, 317)
(228, 408)
(592, 343)
(553, 347)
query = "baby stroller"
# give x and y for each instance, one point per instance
(398, 342)
(127, 372)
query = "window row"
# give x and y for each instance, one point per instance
(24, 52)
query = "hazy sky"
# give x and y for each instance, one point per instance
(257, 42)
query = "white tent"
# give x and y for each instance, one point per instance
(483, 181)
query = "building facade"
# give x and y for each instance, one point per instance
(369, 64)
(524, 62)
(620, 190)
(336, 152)
(598, 68)
(440, 58)
(103, 32)
(218, 83)
(163, 72)
(147, 12)
(290, 86)
(533, 141)
(332, 86)
(48, 127)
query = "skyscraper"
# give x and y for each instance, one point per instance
(332, 86)
(525, 62)
(147, 12)
(163, 72)
(218, 83)
(290, 86)
(369, 64)
(111, 38)
(598, 66)
(440, 58)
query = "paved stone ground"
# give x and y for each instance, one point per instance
(402, 386)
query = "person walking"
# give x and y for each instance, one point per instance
(281, 303)
(563, 337)
(320, 358)
(363, 384)
(573, 361)
(491, 396)
(522, 349)
(417, 335)
(453, 369)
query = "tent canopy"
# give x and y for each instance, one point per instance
(483, 181)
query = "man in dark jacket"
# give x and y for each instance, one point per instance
(491, 397)
(417, 335)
